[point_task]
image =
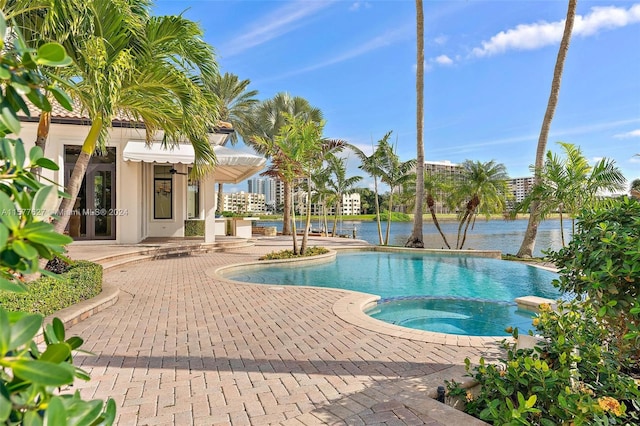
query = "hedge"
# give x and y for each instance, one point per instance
(47, 295)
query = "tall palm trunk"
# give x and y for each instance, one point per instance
(377, 205)
(529, 240)
(220, 198)
(561, 227)
(335, 218)
(286, 216)
(78, 174)
(431, 204)
(293, 220)
(305, 235)
(416, 239)
(386, 237)
(472, 204)
(42, 134)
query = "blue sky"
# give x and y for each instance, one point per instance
(489, 66)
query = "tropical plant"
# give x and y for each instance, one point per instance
(602, 264)
(482, 188)
(30, 374)
(296, 152)
(267, 120)
(236, 103)
(339, 185)
(570, 377)
(35, 19)
(570, 183)
(367, 199)
(434, 187)
(392, 172)
(143, 67)
(416, 239)
(529, 239)
(371, 164)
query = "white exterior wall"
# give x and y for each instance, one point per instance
(133, 183)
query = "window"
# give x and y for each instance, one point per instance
(162, 192)
(193, 198)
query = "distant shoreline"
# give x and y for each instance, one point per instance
(426, 218)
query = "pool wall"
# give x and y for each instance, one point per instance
(491, 254)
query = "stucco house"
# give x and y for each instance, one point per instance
(134, 191)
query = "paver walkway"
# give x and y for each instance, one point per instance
(180, 347)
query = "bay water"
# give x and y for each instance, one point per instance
(495, 234)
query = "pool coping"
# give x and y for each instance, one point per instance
(352, 306)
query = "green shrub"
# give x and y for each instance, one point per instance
(602, 264)
(288, 254)
(194, 228)
(31, 375)
(47, 295)
(571, 377)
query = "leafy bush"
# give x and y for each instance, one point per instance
(288, 254)
(194, 228)
(29, 376)
(602, 265)
(571, 376)
(47, 295)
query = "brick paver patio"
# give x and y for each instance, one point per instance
(180, 347)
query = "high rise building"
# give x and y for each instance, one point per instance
(520, 188)
(243, 202)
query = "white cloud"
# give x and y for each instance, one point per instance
(634, 159)
(383, 40)
(366, 148)
(359, 5)
(440, 40)
(540, 34)
(443, 60)
(631, 134)
(279, 22)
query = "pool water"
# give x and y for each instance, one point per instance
(470, 317)
(396, 275)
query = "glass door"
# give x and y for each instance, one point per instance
(93, 214)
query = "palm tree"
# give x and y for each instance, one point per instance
(433, 187)
(236, 105)
(394, 173)
(482, 189)
(371, 164)
(339, 184)
(143, 67)
(416, 239)
(39, 21)
(267, 119)
(529, 240)
(570, 183)
(295, 153)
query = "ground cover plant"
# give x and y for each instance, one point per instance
(289, 254)
(46, 295)
(584, 371)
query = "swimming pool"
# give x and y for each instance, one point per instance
(397, 276)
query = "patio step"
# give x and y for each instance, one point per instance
(146, 251)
